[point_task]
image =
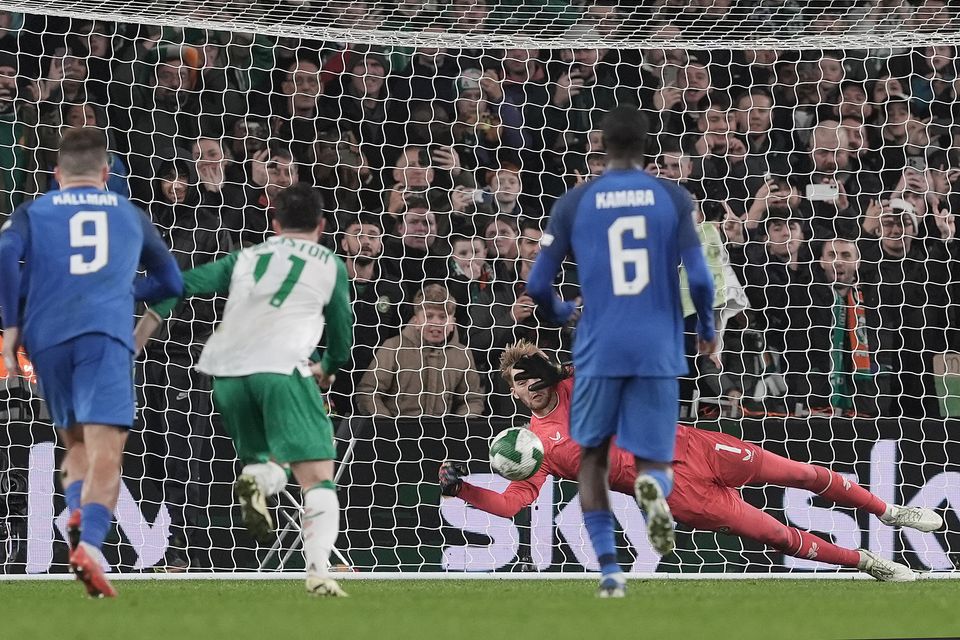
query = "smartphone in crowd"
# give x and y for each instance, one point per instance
(823, 192)
(670, 72)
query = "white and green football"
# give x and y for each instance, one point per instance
(516, 453)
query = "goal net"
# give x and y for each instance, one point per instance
(819, 141)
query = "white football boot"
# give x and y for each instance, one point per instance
(253, 507)
(918, 518)
(613, 585)
(660, 523)
(324, 587)
(884, 570)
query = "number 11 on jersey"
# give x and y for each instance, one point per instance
(296, 268)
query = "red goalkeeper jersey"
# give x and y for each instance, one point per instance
(561, 459)
(707, 468)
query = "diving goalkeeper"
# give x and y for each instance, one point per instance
(708, 467)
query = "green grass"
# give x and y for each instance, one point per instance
(492, 610)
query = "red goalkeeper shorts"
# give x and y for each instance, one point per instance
(708, 467)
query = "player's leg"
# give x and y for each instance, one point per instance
(321, 523)
(243, 421)
(593, 421)
(648, 428)
(748, 521)
(101, 487)
(298, 431)
(54, 369)
(73, 470)
(104, 405)
(775, 469)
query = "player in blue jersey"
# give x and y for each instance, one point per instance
(628, 233)
(68, 281)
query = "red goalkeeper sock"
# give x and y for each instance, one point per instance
(846, 493)
(806, 545)
(820, 480)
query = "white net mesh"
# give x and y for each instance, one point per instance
(818, 141)
(546, 24)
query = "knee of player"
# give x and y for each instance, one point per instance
(310, 473)
(783, 538)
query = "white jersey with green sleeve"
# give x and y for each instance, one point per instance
(729, 296)
(281, 295)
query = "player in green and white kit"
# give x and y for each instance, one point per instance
(280, 296)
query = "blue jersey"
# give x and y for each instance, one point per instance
(627, 232)
(81, 249)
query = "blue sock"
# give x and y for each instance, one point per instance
(96, 524)
(71, 494)
(663, 478)
(600, 527)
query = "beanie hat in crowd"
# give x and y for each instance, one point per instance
(469, 80)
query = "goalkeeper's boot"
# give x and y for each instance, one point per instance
(612, 585)
(918, 518)
(884, 570)
(324, 587)
(85, 564)
(73, 529)
(660, 523)
(253, 507)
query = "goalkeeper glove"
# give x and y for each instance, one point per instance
(539, 367)
(451, 477)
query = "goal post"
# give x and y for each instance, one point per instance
(820, 144)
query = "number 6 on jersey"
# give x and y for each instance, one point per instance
(621, 257)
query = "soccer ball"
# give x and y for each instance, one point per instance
(516, 453)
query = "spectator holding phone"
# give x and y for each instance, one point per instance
(411, 176)
(828, 200)
(471, 282)
(585, 87)
(679, 97)
(271, 171)
(477, 129)
(247, 137)
(911, 275)
(775, 193)
(504, 188)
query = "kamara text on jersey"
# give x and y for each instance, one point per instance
(625, 198)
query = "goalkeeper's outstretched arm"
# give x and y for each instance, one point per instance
(519, 494)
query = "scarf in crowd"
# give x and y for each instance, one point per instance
(849, 336)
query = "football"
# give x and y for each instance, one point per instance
(516, 453)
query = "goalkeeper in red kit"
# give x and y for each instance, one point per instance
(708, 469)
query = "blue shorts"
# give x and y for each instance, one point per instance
(87, 380)
(641, 412)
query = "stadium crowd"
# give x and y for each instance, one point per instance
(825, 182)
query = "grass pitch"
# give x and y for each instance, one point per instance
(487, 609)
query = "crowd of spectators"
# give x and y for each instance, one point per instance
(824, 182)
